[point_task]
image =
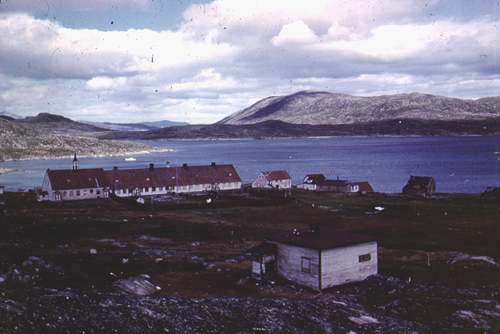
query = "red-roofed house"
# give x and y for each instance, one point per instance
(97, 183)
(74, 184)
(277, 179)
(163, 180)
(362, 187)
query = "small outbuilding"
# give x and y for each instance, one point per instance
(311, 181)
(276, 179)
(321, 260)
(420, 185)
(363, 187)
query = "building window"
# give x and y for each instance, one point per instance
(365, 257)
(306, 265)
(91, 191)
(71, 193)
(154, 188)
(78, 193)
(98, 192)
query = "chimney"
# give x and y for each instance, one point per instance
(212, 164)
(115, 168)
(151, 166)
(184, 165)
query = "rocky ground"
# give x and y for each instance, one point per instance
(114, 267)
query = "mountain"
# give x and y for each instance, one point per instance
(144, 126)
(8, 116)
(282, 129)
(57, 123)
(26, 140)
(310, 107)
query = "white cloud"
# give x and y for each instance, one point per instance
(295, 33)
(227, 54)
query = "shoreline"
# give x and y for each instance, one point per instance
(311, 137)
(103, 155)
(7, 170)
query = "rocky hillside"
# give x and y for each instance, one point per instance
(25, 141)
(308, 107)
(401, 127)
(57, 123)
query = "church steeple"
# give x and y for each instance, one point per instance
(75, 163)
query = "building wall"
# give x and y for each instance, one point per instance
(262, 182)
(341, 265)
(289, 265)
(81, 194)
(150, 191)
(307, 186)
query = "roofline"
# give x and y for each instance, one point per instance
(319, 248)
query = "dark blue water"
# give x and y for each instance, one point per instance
(459, 164)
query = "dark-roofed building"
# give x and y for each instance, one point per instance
(163, 180)
(420, 185)
(362, 187)
(74, 184)
(322, 259)
(338, 186)
(311, 181)
(277, 179)
(77, 183)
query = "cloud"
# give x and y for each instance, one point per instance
(43, 49)
(225, 55)
(76, 5)
(295, 33)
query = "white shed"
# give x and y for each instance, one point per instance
(276, 179)
(320, 260)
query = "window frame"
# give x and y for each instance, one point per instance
(364, 258)
(305, 269)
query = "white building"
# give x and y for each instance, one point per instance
(159, 181)
(277, 179)
(320, 260)
(73, 184)
(77, 184)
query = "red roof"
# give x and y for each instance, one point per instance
(172, 176)
(77, 179)
(142, 177)
(276, 175)
(364, 186)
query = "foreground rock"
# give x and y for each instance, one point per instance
(379, 305)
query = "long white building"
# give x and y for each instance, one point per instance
(79, 184)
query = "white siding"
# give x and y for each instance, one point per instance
(289, 265)
(341, 265)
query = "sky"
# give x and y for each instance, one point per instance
(199, 61)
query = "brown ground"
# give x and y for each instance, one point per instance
(199, 251)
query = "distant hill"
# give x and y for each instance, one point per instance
(57, 123)
(144, 126)
(324, 108)
(26, 140)
(8, 116)
(282, 129)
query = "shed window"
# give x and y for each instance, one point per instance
(365, 257)
(306, 265)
